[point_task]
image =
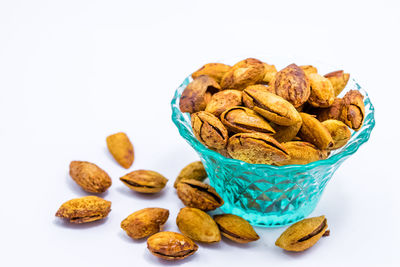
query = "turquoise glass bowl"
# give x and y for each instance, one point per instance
(267, 195)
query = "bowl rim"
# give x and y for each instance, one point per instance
(346, 151)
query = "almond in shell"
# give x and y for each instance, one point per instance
(314, 132)
(199, 195)
(292, 84)
(236, 228)
(89, 176)
(171, 246)
(144, 181)
(338, 79)
(244, 73)
(339, 131)
(145, 222)
(194, 171)
(121, 148)
(214, 70)
(198, 225)
(84, 209)
(198, 93)
(257, 148)
(303, 234)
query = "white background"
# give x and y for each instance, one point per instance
(73, 72)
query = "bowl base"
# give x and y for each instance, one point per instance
(271, 219)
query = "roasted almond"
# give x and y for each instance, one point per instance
(89, 176)
(144, 181)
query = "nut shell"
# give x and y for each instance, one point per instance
(121, 148)
(302, 153)
(84, 209)
(339, 131)
(292, 84)
(271, 106)
(199, 195)
(198, 225)
(258, 148)
(89, 176)
(338, 80)
(314, 132)
(144, 181)
(198, 93)
(260, 87)
(145, 222)
(303, 234)
(242, 74)
(214, 70)
(286, 133)
(223, 100)
(322, 93)
(209, 130)
(269, 73)
(244, 120)
(236, 228)
(308, 69)
(353, 111)
(193, 171)
(333, 112)
(171, 246)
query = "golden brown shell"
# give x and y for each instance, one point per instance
(209, 130)
(292, 84)
(198, 93)
(214, 70)
(242, 74)
(258, 148)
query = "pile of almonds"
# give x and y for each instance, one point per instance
(254, 113)
(193, 221)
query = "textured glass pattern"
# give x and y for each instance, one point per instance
(268, 195)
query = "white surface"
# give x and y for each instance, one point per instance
(73, 72)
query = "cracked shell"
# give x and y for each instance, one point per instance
(292, 84)
(353, 111)
(333, 112)
(121, 149)
(322, 93)
(214, 70)
(199, 195)
(271, 106)
(236, 228)
(339, 131)
(198, 93)
(313, 131)
(302, 153)
(209, 130)
(257, 148)
(223, 100)
(145, 222)
(171, 246)
(198, 225)
(193, 171)
(89, 176)
(84, 209)
(144, 181)
(242, 74)
(303, 234)
(338, 79)
(245, 120)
